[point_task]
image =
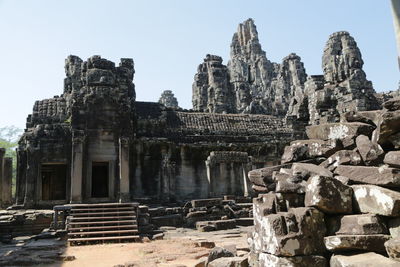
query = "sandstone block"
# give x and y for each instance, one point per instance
(297, 261)
(306, 149)
(369, 259)
(338, 131)
(229, 262)
(218, 252)
(198, 203)
(328, 195)
(393, 248)
(358, 224)
(382, 176)
(342, 157)
(375, 199)
(297, 232)
(370, 152)
(338, 243)
(392, 104)
(306, 170)
(392, 158)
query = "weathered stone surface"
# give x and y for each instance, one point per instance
(392, 158)
(211, 88)
(209, 202)
(338, 131)
(305, 149)
(340, 243)
(389, 129)
(204, 226)
(393, 248)
(218, 252)
(297, 232)
(342, 157)
(168, 99)
(394, 227)
(229, 262)
(328, 195)
(371, 117)
(369, 259)
(290, 184)
(392, 104)
(375, 199)
(370, 152)
(382, 176)
(263, 176)
(296, 261)
(306, 170)
(357, 224)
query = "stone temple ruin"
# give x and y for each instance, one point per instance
(329, 200)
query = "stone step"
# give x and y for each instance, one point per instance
(102, 218)
(134, 226)
(103, 222)
(100, 209)
(131, 237)
(104, 205)
(76, 215)
(104, 232)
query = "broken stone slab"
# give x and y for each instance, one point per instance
(369, 259)
(342, 157)
(210, 202)
(375, 199)
(229, 262)
(264, 176)
(371, 117)
(306, 170)
(306, 149)
(338, 131)
(175, 220)
(269, 260)
(382, 176)
(289, 184)
(392, 104)
(370, 152)
(392, 158)
(328, 195)
(357, 224)
(299, 231)
(393, 248)
(389, 126)
(217, 225)
(218, 252)
(340, 243)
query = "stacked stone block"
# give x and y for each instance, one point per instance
(335, 199)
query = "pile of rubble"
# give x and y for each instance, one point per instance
(203, 214)
(23, 222)
(335, 199)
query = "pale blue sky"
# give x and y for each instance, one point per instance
(169, 38)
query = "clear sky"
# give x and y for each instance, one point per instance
(169, 38)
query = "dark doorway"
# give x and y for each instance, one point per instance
(54, 177)
(100, 179)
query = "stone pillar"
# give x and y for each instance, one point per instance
(31, 177)
(2, 152)
(396, 22)
(210, 189)
(6, 182)
(124, 194)
(21, 177)
(246, 181)
(76, 168)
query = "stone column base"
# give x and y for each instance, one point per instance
(124, 197)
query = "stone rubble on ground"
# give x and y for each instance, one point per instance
(342, 207)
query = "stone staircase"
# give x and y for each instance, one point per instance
(102, 222)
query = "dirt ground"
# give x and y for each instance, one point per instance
(178, 248)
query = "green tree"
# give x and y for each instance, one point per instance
(9, 136)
